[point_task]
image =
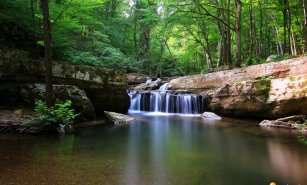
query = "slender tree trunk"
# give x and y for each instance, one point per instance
(144, 42)
(145, 30)
(238, 8)
(113, 7)
(159, 68)
(205, 34)
(286, 19)
(294, 47)
(173, 59)
(289, 22)
(220, 52)
(228, 37)
(206, 46)
(266, 44)
(47, 46)
(224, 47)
(33, 24)
(278, 42)
(260, 41)
(106, 9)
(135, 37)
(305, 25)
(251, 31)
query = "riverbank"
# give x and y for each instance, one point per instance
(266, 91)
(23, 120)
(19, 120)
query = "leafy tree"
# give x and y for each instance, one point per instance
(159, 37)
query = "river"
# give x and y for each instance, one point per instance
(157, 149)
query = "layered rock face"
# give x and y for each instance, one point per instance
(263, 91)
(80, 102)
(105, 88)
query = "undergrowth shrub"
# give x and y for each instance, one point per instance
(59, 114)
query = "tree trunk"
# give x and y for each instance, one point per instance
(289, 22)
(251, 31)
(113, 8)
(159, 68)
(260, 41)
(238, 8)
(135, 37)
(144, 37)
(293, 44)
(305, 25)
(228, 37)
(106, 9)
(47, 46)
(205, 34)
(279, 47)
(173, 59)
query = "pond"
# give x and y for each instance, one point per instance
(157, 149)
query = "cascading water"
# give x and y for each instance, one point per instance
(166, 102)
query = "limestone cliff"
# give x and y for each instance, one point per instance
(263, 91)
(106, 88)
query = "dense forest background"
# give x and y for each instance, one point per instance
(158, 37)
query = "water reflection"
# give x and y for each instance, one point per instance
(131, 170)
(158, 150)
(287, 161)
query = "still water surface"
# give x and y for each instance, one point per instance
(157, 150)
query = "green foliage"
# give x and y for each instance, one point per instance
(302, 126)
(108, 33)
(59, 114)
(282, 57)
(302, 139)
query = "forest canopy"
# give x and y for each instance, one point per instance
(159, 37)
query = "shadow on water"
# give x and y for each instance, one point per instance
(158, 150)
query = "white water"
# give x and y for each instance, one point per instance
(163, 101)
(164, 87)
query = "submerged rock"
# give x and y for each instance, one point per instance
(117, 118)
(211, 115)
(291, 122)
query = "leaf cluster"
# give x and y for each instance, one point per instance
(59, 114)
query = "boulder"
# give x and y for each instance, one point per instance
(271, 58)
(264, 98)
(280, 124)
(291, 122)
(150, 85)
(106, 88)
(241, 99)
(211, 115)
(118, 119)
(80, 102)
(288, 96)
(136, 78)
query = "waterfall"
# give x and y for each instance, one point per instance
(166, 102)
(164, 87)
